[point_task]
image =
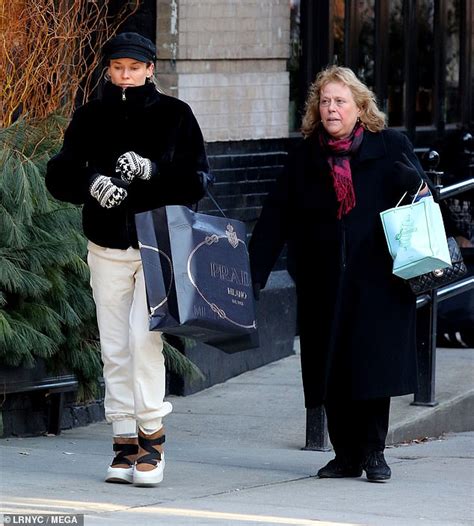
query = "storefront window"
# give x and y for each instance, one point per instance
(365, 63)
(425, 63)
(294, 66)
(422, 79)
(338, 7)
(396, 69)
(453, 23)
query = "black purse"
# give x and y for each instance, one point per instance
(438, 278)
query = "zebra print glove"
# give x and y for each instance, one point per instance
(107, 193)
(131, 165)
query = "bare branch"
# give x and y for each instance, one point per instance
(49, 50)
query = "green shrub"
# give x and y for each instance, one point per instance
(46, 306)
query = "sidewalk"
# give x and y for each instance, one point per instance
(234, 457)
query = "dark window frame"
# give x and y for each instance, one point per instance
(317, 53)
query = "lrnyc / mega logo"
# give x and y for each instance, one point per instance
(32, 518)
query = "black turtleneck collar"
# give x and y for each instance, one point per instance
(136, 96)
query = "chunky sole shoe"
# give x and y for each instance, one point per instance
(119, 475)
(336, 469)
(150, 462)
(126, 450)
(149, 478)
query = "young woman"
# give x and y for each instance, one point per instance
(133, 149)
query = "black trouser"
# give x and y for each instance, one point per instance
(357, 427)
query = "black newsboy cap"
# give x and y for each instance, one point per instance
(130, 45)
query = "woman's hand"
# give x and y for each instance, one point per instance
(131, 165)
(108, 191)
(408, 177)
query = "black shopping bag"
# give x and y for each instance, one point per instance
(197, 277)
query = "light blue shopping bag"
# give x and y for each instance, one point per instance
(416, 238)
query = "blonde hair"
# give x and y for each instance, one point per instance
(154, 80)
(371, 117)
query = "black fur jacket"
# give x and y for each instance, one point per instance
(138, 119)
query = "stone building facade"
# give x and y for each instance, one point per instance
(228, 60)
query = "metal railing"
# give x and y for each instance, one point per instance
(426, 328)
(450, 191)
(427, 311)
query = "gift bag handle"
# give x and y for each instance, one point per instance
(414, 197)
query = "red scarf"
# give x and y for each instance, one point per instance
(339, 153)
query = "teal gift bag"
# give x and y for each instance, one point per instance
(416, 238)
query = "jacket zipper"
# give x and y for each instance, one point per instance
(127, 218)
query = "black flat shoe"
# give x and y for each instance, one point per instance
(376, 467)
(338, 469)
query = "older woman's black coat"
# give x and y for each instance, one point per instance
(357, 320)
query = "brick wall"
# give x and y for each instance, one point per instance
(245, 171)
(244, 174)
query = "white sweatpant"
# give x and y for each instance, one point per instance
(134, 368)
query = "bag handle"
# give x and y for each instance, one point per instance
(414, 197)
(211, 197)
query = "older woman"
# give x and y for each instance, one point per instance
(357, 320)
